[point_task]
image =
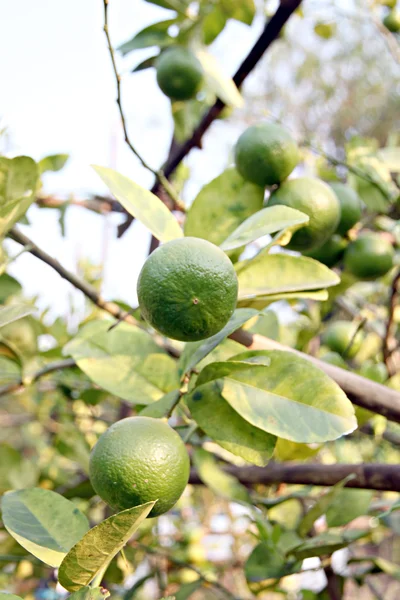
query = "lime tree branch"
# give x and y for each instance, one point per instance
(388, 340)
(270, 33)
(160, 176)
(363, 392)
(14, 386)
(371, 476)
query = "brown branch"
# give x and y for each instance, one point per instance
(387, 342)
(271, 32)
(363, 392)
(14, 386)
(98, 204)
(367, 476)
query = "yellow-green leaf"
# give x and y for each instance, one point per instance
(221, 84)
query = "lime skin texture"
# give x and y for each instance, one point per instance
(179, 73)
(187, 289)
(138, 460)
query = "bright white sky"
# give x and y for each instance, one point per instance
(58, 95)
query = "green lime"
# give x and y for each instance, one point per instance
(329, 253)
(187, 289)
(333, 358)
(266, 154)
(325, 30)
(339, 335)
(179, 73)
(374, 371)
(138, 460)
(392, 21)
(350, 206)
(369, 256)
(316, 199)
(389, 3)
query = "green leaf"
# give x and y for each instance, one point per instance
(262, 302)
(124, 361)
(18, 181)
(141, 204)
(186, 117)
(153, 35)
(326, 543)
(160, 409)
(54, 162)
(8, 287)
(10, 370)
(88, 593)
(227, 428)
(43, 522)
(6, 596)
(185, 591)
(147, 63)
(282, 273)
(92, 554)
(216, 79)
(243, 11)
(8, 314)
(221, 206)
(221, 483)
(320, 507)
(213, 23)
(391, 158)
(347, 505)
(277, 398)
(266, 221)
(194, 352)
(266, 562)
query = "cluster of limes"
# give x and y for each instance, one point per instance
(392, 19)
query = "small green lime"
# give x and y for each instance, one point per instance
(329, 253)
(339, 335)
(392, 21)
(374, 371)
(369, 256)
(317, 200)
(187, 289)
(350, 206)
(179, 73)
(333, 358)
(137, 460)
(266, 154)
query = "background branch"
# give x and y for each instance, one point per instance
(388, 346)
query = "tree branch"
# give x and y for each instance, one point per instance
(14, 386)
(271, 32)
(367, 476)
(387, 342)
(363, 392)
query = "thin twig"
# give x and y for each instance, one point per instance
(14, 386)
(159, 174)
(353, 337)
(388, 342)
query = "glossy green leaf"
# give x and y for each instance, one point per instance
(320, 507)
(194, 352)
(217, 80)
(222, 205)
(54, 162)
(326, 543)
(161, 408)
(18, 181)
(124, 361)
(43, 522)
(213, 23)
(153, 35)
(88, 593)
(266, 562)
(147, 63)
(91, 555)
(289, 398)
(347, 505)
(283, 273)
(261, 302)
(141, 204)
(266, 221)
(221, 483)
(226, 427)
(11, 313)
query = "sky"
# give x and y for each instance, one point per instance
(58, 96)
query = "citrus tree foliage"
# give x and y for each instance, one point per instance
(272, 437)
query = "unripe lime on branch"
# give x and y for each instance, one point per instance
(350, 207)
(179, 73)
(342, 337)
(187, 289)
(138, 460)
(369, 256)
(266, 154)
